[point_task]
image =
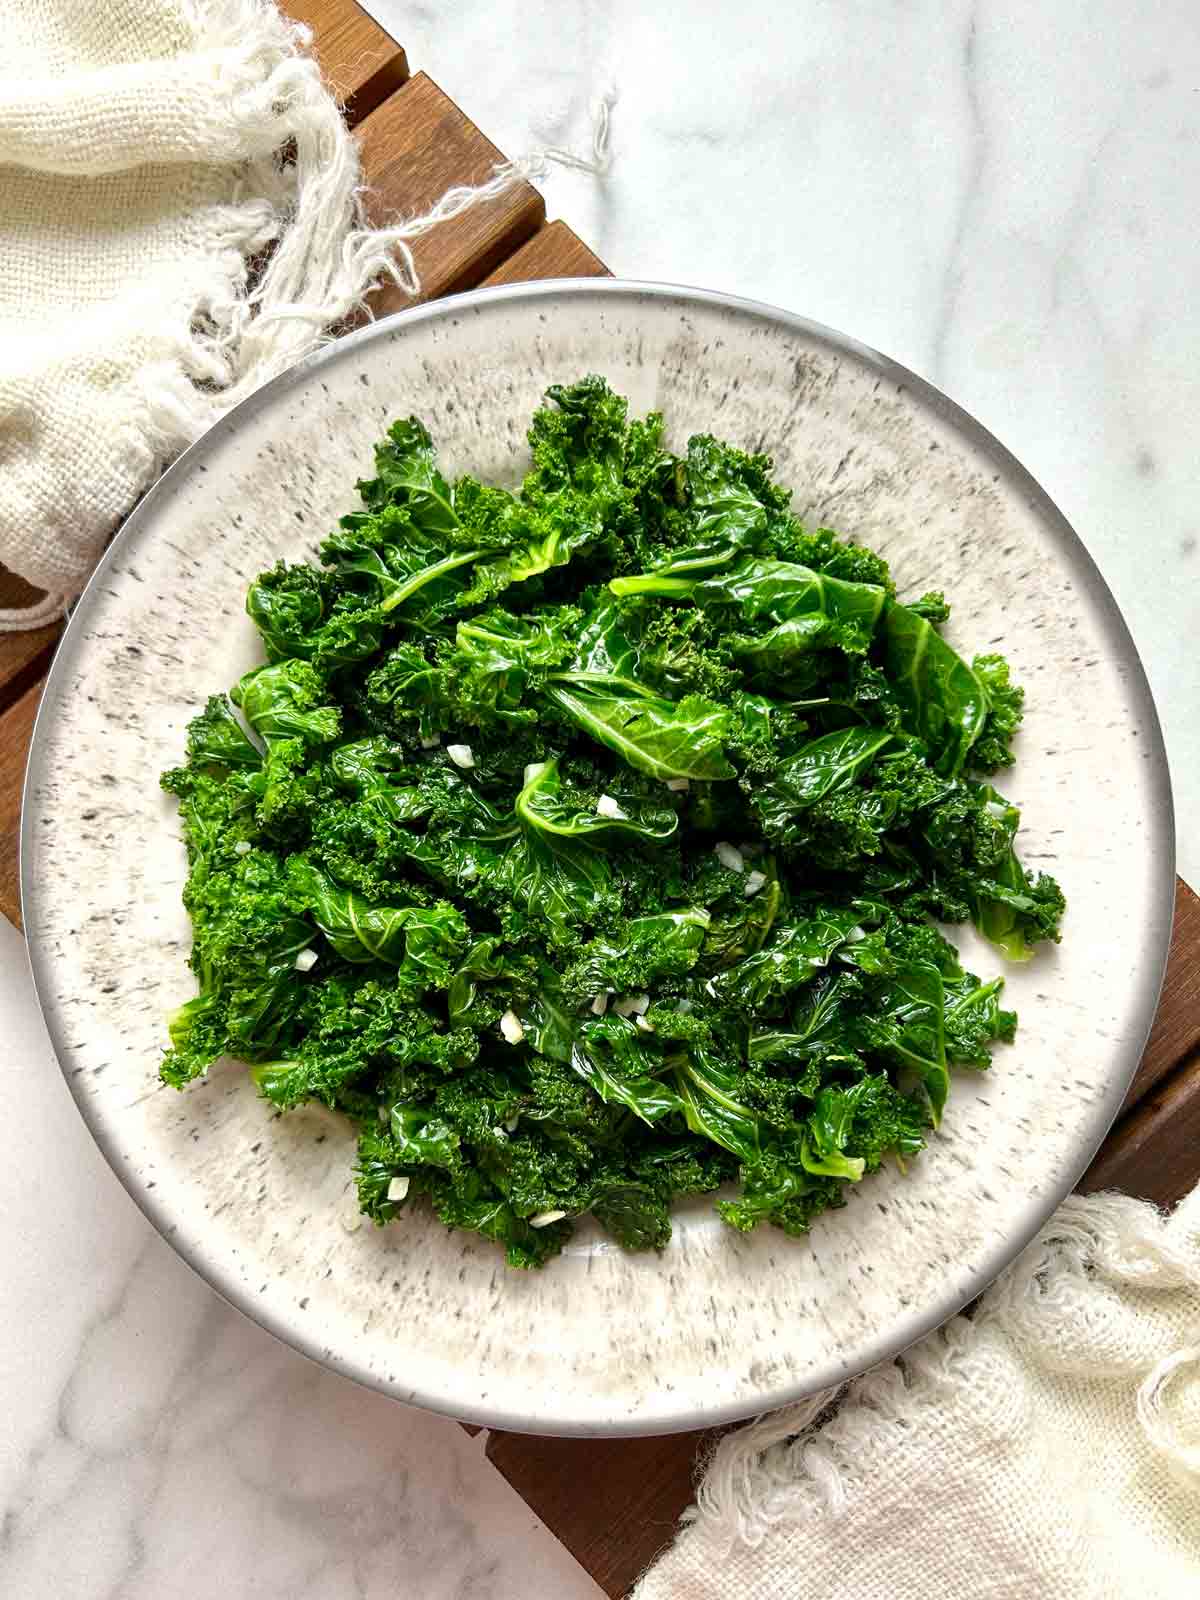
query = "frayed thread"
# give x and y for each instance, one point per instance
(799, 1464)
(38, 614)
(298, 220)
(388, 249)
(1160, 1415)
(277, 98)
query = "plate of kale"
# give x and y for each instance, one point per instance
(598, 857)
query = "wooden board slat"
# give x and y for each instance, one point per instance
(415, 147)
(1154, 1153)
(16, 730)
(24, 657)
(1176, 1031)
(24, 660)
(358, 59)
(614, 1503)
(553, 252)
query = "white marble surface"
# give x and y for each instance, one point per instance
(156, 1445)
(1002, 196)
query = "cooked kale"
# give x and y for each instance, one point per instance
(584, 845)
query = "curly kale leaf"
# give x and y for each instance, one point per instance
(424, 943)
(555, 874)
(589, 840)
(305, 615)
(217, 741)
(245, 942)
(646, 949)
(532, 540)
(729, 503)
(794, 953)
(546, 806)
(992, 750)
(821, 767)
(288, 700)
(665, 739)
(407, 476)
(945, 702)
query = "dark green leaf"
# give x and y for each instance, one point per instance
(288, 700)
(649, 1099)
(216, 739)
(794, 955)
(667, 741)
(422, 1140)
(543, 807)
(821, 767)
(406, 474)
(944, 702)
(623, 888)
(782, 591)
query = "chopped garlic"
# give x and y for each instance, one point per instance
(678, 785)
(431, 744)
(632, 1005)
(646, 1027)
(600, 1004)
(754, 882)
(398, 1188)
(306, 961)
(534, 770)
(461, 755)
(730, 856)
(242, 848)
(543, 1219)
(510, 1027)
(606, 806)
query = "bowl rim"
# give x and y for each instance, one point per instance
(1160, 839)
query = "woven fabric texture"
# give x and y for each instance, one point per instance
(1047, 1445)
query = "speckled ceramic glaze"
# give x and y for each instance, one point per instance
(720, 1325)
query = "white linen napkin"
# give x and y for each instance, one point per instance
(1047, 1445)
(140, 178)
(180, 218)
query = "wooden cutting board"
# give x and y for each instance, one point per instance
(613, 1503)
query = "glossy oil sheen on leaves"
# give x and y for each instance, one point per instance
(584, 843)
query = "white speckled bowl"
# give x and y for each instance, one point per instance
(600, 1342)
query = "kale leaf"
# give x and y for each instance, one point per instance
(585, 843)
